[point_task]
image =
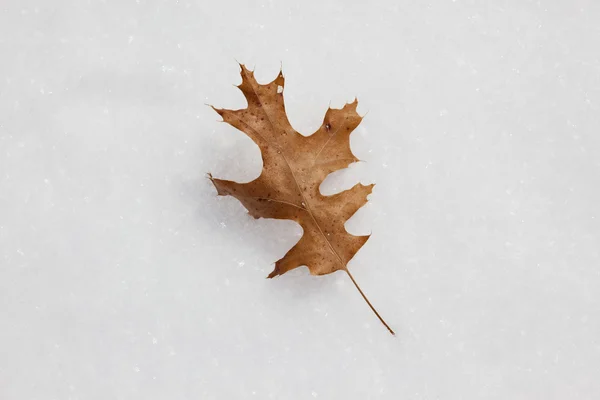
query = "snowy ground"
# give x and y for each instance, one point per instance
(123, 276)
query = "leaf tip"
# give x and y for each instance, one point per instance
(217, 110)
(245, 71)
(273, 273)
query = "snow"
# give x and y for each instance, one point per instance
(123, 276)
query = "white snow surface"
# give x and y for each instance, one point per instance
(124, 276)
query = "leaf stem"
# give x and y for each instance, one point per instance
(369, 303)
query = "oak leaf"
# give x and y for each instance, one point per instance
(294, 166)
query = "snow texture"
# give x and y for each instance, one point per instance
(123, 276)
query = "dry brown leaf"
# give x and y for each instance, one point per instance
(293, 168)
